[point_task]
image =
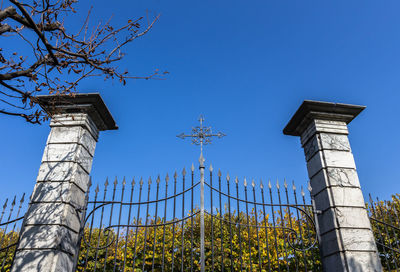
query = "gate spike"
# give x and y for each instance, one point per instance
(302, 191)
(133, 182)
(285, 183)
(293, 186)
(5, 203)
(228, 178)
(184, 172)
(141, 181)
(22, 199)
(97, 189)
(277, 184)
(115, 181)
(236, 180)
(192, 168)
(175, 175)
(158, 179)
(219, 173)
(13, 203)
(211, 168)
(149, 181)
(106, 183)
(269, 184)
(261, 184)
(90, 181)
(245, 182)
(309, 187)
(253, 184)
(166, 178)
(123, 182)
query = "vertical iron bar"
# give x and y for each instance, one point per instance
(119, 223)
(4, 209)
(253, 184)
(191, 222)
(307, 225)
(202, 253)
(299, 221)
(145, 230)
(164, 220)
(91, 227)
(109, 223)
(155, 222)
(212, 218)
(9, 218)
(220, 219)
(273, 222)
(248, 225)
(173, 225)
(100, 225)
(129, 222)
(137, 223)
(291, 225)
(230, 219)
(183, 216)
(239, 223)
(389, 207)
(265, 225)
(282, 224)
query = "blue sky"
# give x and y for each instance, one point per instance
(246, 66)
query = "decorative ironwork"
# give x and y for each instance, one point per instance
(9, 238)
(156, 226)
(385, 221)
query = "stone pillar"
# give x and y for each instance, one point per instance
(50, 234)
(347, 242)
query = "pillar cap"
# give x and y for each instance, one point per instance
(310, 110)
(90, 103)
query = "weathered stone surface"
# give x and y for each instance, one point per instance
(50, 237)
(349, 240)
(53, 214)
(68, 153)
(73, 120)
(64, 171)
(72, 135)
(42, 260)
(363, 261)
(66, 192)
(341, 177)
(332, 197)
(323, 126)
(325, 141)
(334, 263)
(343, 217)
(330, 158)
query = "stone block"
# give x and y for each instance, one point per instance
(42, 260)
(363, 261)
(53, 214)
(342, 177)
(50, 237)
(323, 126)
(330, 158)
(347, 240)
(326, 141)
(68, 153)
(75, 119)
(339, 196)
(343, 217)
(78, 135)
(64, 171)
(66, 192)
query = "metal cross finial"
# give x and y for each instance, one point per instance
(201, 135)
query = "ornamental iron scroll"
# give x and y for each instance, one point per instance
(156, 226)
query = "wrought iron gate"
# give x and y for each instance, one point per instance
(215, 224)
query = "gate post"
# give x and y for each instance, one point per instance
(347, 242)
(50, 232)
